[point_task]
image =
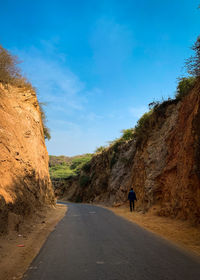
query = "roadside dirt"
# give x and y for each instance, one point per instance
(18, 249)
(182, 233)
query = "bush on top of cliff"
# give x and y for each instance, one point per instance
(193, 68)
(143, 124)
(127, 135)
(144, 127)
(9, 71)
(184, 86)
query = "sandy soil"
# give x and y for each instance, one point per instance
(181, 233)
(18, 249)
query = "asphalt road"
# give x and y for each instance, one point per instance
(91, 243)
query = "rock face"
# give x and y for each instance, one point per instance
(24, 178)
(163, 168)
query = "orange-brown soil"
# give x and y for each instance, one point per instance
(14, 260)
(25, 184)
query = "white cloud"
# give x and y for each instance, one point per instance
(55, 82)
(57, 85)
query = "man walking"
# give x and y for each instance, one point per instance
(132, 197)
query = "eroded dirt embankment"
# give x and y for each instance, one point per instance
(163, 165)
(25, 185)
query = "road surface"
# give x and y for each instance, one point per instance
(92, 243)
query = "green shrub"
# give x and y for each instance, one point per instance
(127, 134)
(184, 86)
(143, 127)
(143, 123)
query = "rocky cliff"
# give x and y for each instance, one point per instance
(24, 178)
(162, 164)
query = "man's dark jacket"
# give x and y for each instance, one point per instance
(132, 195)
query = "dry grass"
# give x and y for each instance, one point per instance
(181, 233)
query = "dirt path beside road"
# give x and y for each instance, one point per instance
(18, 249)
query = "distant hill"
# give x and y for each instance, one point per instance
(63, 167)
(59, 160)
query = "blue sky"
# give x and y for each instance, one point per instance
(98, 64)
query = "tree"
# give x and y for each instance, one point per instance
(193, 63)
